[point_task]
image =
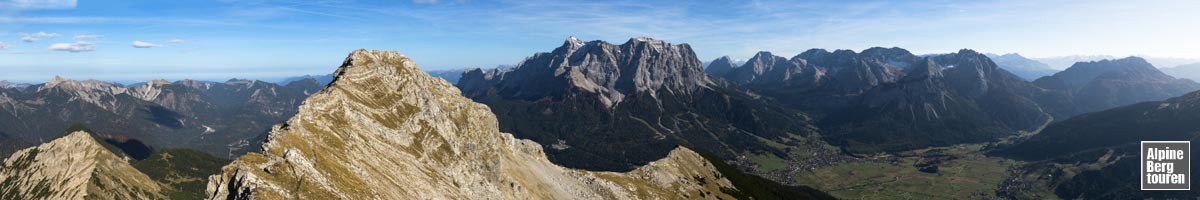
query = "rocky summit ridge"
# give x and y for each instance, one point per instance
(383, 129)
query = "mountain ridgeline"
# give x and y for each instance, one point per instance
(1100, 85)
(383, 129)
(224, 119)
(602, 106)
(887, 99)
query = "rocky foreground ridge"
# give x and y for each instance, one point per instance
(75, 166)
(385, 130)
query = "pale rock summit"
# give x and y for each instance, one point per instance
(383, 129)
(74, 166)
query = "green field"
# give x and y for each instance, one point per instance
(966, 174)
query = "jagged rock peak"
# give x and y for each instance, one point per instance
(75, 166)
(384, 129)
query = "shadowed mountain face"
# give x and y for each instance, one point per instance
(1110, 139)
(603, 106)
(1100, 85)
(222, 119)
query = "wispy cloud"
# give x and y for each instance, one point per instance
(86, 37)
(45, 34)
(140, 44)
(25, 37)
(38, 4)
(176, 41)
(3, 46)
(76, 47)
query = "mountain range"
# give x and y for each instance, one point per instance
(588, 102)
(384, 129)
(1099, 85)
(597, 120)
(224, 119)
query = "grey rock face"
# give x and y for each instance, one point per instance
(606, 70)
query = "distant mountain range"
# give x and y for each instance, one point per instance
(887, 99)
(1100, 85)
(1188, 71)
(1026, 68)
(224, 119)
(1063, 62)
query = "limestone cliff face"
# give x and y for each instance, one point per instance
(75, 166)
(386, 130)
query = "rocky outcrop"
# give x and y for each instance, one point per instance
(75, 166)
(386, 130)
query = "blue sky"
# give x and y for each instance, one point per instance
(217, 40)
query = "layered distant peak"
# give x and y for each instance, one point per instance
(1106, 84)
(608, 71)
(6, 84)
(75, 85)
(720, 66)
(75, 166)
(1026, 68)
(1081, 73)
(92, 91)
(384, 129)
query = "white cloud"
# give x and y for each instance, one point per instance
(25, 37)
(80, 46)
(140, 44)
(45, 35)
(176, 41)
(86, 37)
(39, 4)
